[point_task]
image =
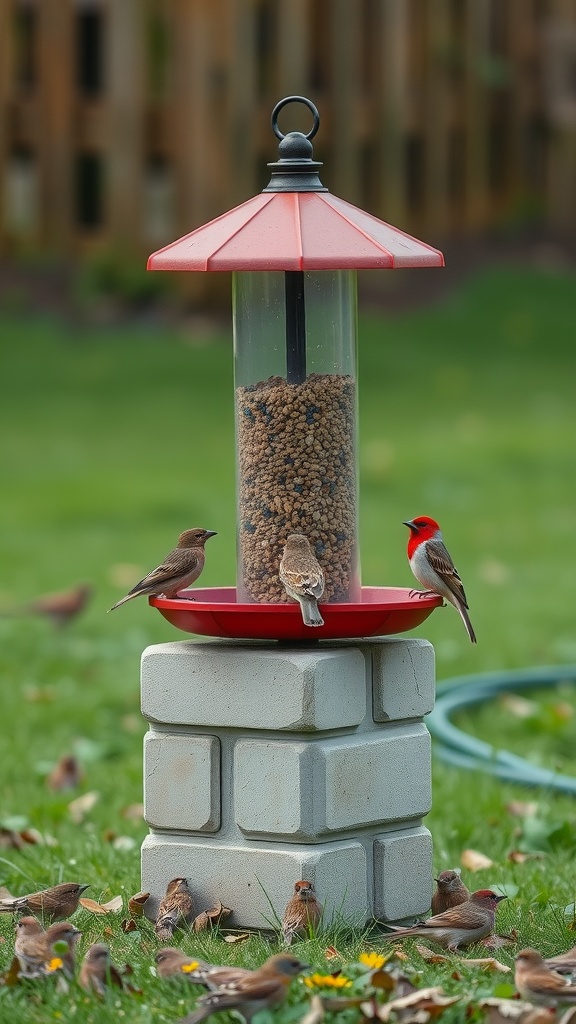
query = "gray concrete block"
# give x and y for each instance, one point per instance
(182, 781)
(402, 874)
(249, 878)
(402, 678)
(246, 686)
(309, 789)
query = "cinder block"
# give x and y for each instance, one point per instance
(182, 781)
(402, 874)
(309, 789)
(251, 687)
(402, 678)
(257, 881)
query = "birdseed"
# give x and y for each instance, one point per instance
(297, 467)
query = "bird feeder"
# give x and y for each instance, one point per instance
(294, 251)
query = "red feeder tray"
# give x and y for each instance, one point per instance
(214, 611)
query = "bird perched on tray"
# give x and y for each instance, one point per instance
(176, 908)
(260, 990)
(433, 567)
(459, 926)
(450, 892)
(302, 577)
(54, 904)
(538, 984)
(179, 569)
(302, 913)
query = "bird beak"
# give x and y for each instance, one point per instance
(84, 887)
(436, 880)
(501, 898)
(410, 524)
(210, 533)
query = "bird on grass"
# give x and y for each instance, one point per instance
(302, 913)
(54, 904)
(433, 567)
(564, 963)
(176, 909)
(450, 892)
(97, 971)
(468, 922)
(179, 569)
(538, 984)
(263, 989)
(60, 608)
(302, 577)
(34, 947)
(174, 963)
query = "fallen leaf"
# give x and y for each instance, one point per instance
(430, 1000)
(383, 980)
(11, 977)
(112, 907)
(136, 904)
(430, 956)
(473, 860)
(502, 1011)
(331, 953)
(133, 812)
(490, 964)
(496, 941)
(210, 918)
(236, 936)
(399, 954)
(82, 806)
(517, 857)
(521, 808)
(128, 925)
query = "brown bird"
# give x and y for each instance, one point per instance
(178, 570)
(174, 963)
(459, 926)
(261, 990)
(65, 775)
(302, 913)
(450, 892)
(564, 963)
(302, 577)
(97, 970)
(538, 984)
(34, 947)
(176, 908)
(50, 905)
(60, 607)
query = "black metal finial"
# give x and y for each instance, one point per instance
(295, 170)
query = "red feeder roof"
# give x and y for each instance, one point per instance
(295, 231)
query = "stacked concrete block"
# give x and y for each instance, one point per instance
(265, 764)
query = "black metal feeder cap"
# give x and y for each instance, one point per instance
(295, 170)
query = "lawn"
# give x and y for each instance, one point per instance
(114, 441)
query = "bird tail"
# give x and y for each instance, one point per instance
(122, 601)
(310, 613)
(466, 620)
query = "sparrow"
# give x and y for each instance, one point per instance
(175, 910)
(450, 892)
(34, 947)
(97, 970)
(564, 963)
(434, 568)
(468, 922)
(178, 570)
(173, 963)
(302, 913)
(302, 577)
(67, 774)
(53, 904)
(260, 990)
(538, 984)
(60, 608)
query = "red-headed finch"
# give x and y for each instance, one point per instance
(179, 569)
(450, 892)
(261, 990)
(173, 963)
(35, 950)
(54, 904)
(434, 568)
(538, 984)
(469, 922)
(97, 970)
(302, 577)
(67, 774)
(176, 908)
(302, 913)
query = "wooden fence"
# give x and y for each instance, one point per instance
(128, 122)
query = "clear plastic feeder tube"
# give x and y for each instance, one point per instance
(296, 427)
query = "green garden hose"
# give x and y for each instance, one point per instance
(458, 748)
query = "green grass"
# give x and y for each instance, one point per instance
(114, 441)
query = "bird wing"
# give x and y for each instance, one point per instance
(180, 563)
(309, 582)
(550, 982)
(440, 561)
(245, 989)
(451, 918)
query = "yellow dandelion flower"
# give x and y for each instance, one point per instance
(374, 960)
(53, 965)
(188, 968)
(327, 981)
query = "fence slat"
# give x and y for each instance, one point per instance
(54, 128)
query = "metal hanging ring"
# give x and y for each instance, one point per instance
(295, 99)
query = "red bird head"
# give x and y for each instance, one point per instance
(421, 528)
(304, 890)
(487, 898)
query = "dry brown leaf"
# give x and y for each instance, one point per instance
(128, 925)
(503, 1011)
(489, 964)
(331, 953)
(383, 981)
(210, 918)
(133, 812)
(236, 936)
(316, 1012)
(108, 931)
(519, 857)
(496, 941)
(430, 956)
(473, 860)
(11, 977)
(522, 808)
(82, 806)
(399, 954)
(431, 1001)
(112, 907)
(136, 904)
